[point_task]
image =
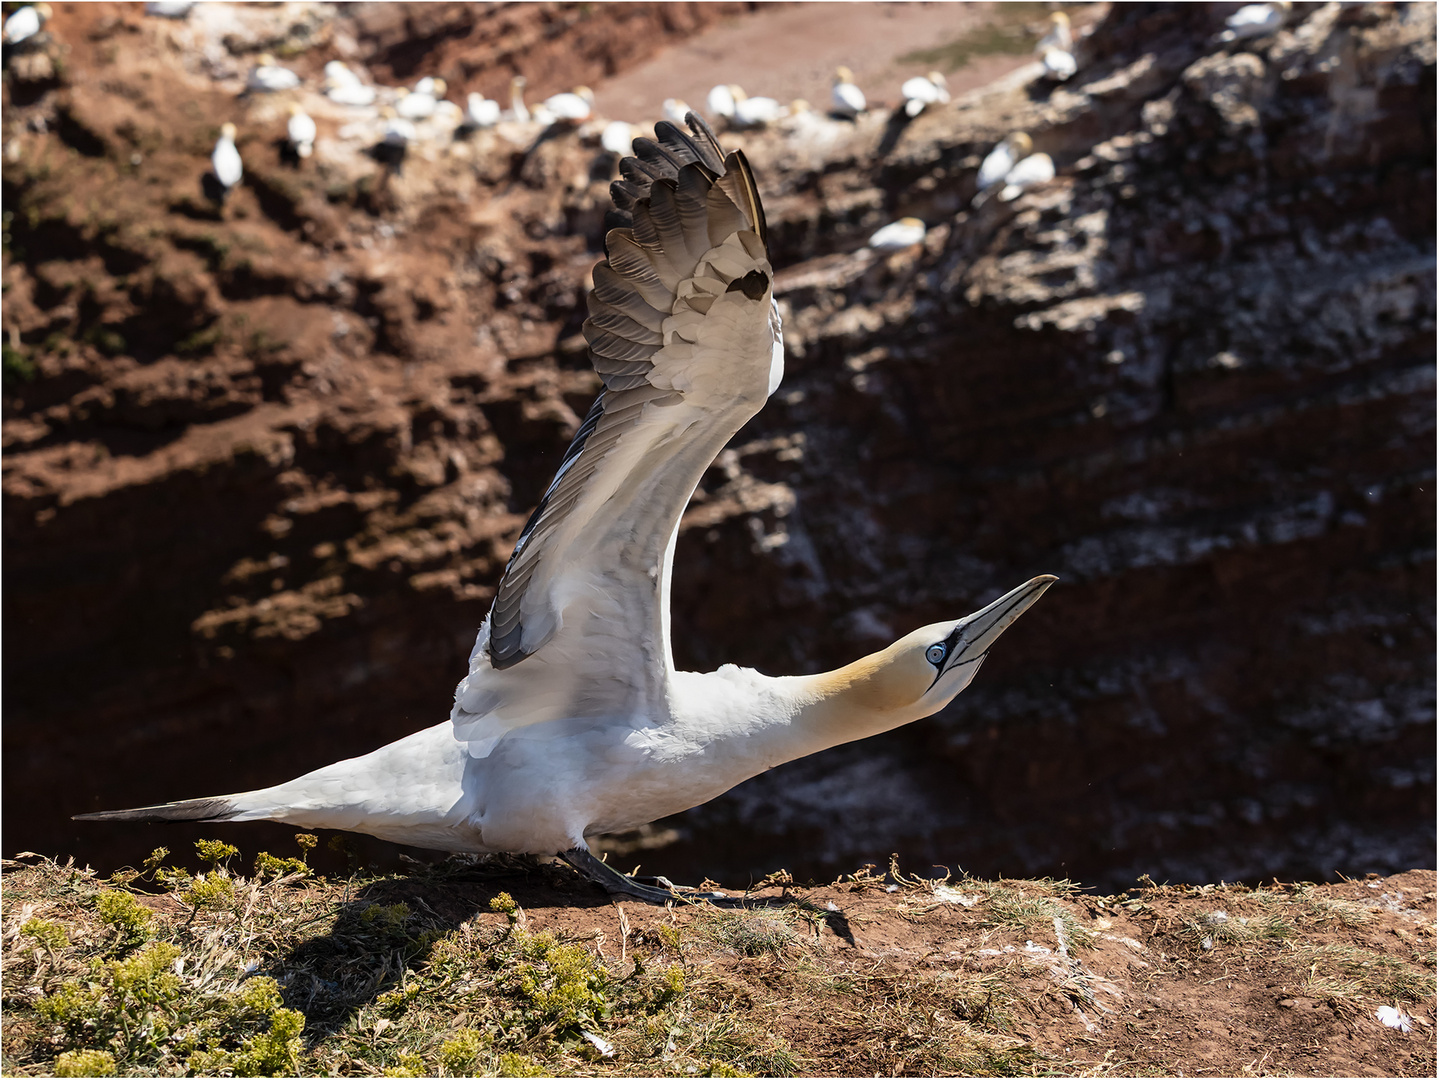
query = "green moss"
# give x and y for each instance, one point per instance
(50, 935)
(504, 902)
(215, 852)
(460, 1052)
(267, 865)
(123, 912)
(15, 366)
(213, 890)
(564, 984)
(519, 1065)
(85, 1063)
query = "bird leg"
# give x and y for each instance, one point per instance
(618, 884)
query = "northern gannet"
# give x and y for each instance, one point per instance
(517, 111)
(674, 110)
(300, 130)
(169, 9)
(1059, 64)
(431, 85)
(897, 235)
(573, 720)
(267, 76)
(720, 101)
(618, 137)
(571, 107)
(1035, 169)
(923, 91)
(480, 111)
(845, 98)
(24, 23)
(225, 160)
(754, 112)
(420, 104)
(1001, 159)
(1255, 20)
(343, 86)
(1058, 36)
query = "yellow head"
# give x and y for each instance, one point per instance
(228, 131)
(265, 60)
(1020, 144)
(44, 11)
(912, 222)
(842, 74)
(439, 88)
(1059, 18)
(937, 77)
(923, 671)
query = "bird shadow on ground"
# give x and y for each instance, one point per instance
(395, 926)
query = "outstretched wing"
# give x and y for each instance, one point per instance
(685, 336)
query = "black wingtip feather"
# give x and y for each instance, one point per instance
(187, 810)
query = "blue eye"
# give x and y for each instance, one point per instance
(935, 654)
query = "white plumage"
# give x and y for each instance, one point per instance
(1058, 36)
(897, 235)
(572, 107)
(721, 101)
(480, 111)
(845, 97)
(674, 110)
(754, 112)
(1255, 20)
(1035, 169)
(1001, 159)
(301, 131)
(921, 92)
(267, 76)
(420, 104)
(572, 719)
(225, 159)
(1059, 65)
(517, 112)
(24, 23)
(618, 137)
(169, 9)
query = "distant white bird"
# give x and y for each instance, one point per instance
(845, 98)
(618, 137)
(1035, 169)
(169, 9)
(355, 94)
(517, 112)
(267, 76)
(572, 720)
(1058, 36)
(431, 85)
(1255, 20)
(897, 235)
(301, 131)
(420, 105)
(754, 112)
(480, 111)
(1059, 65)
(572, 107)
(674, 110)
(225, 160)
(921, 92)
(721, 101)
(343, 86)
(1002, 158)
(24, 23)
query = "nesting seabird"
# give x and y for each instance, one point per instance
(1035, 169)
(573, 719)
(674, 110)
(923, 91)
(1255, 20)
(618, 137)
(420, 104)
(300, 130)
(225, 160)
(517, 112)
(898, 235)
(1001, 159)
(268, 77)
(571, 107)
(720, 101)
(24, 23)
(343, 86)
(845, 98)
(754, 112)
(480, 111)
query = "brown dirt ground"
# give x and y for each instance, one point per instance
(1288, 983)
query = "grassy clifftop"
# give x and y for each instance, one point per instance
(515, 968)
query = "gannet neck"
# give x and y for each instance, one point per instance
(876, 693)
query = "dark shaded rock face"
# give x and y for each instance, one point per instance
(1193, 376)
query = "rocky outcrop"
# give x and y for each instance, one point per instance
(263, 468)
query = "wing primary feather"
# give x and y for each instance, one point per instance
(739, 184)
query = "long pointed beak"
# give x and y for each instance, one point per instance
(982, 629)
